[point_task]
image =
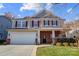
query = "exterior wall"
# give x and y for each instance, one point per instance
(41, 22)
(61, 23)
(38, 37)
(5, 24)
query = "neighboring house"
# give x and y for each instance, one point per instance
(5, 23)
(41, 28)
(73, 27)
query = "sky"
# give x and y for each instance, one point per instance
(68, 11)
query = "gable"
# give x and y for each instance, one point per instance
(46, 14)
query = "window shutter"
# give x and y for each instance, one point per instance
(32, 23)
(56, 22)
(52, 22)
(48, 22)
(16, 24)
(38, 23)
(26, 23)
(44, 22)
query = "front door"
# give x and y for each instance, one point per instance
(45, 37)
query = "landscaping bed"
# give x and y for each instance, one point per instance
(57, 51)
(2, 42)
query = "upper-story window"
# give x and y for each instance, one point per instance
(32, 23)
(24, 24)
(21, 24)
(46, 23)
(54, 23)
(35, 24)
(18, 24)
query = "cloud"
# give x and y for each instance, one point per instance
(48, 6)
(19, 15)
(69, 10)
(35, 6)
(1, 6)
(30, 6)
(76, 18)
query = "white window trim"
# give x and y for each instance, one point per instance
(35, 25)
(23, 21)
(54, 23)
(19, 23)
(46, 25)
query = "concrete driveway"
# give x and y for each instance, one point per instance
(16, 50)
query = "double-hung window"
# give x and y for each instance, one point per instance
(21, 24)
(54, 23)
(46, 23)
(18, 24)
(24, 24)
(35, 24)
(32, 23)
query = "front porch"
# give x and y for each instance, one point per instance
(45, 36)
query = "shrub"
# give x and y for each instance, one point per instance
(2, 41)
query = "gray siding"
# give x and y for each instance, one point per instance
(5, 24)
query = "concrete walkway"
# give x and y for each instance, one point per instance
(16, 50)
(19, 50)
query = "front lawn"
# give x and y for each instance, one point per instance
(57, 51)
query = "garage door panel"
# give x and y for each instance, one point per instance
(23, 37)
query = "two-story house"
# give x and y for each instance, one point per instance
(43, 26)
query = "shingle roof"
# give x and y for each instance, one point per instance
(41, 14)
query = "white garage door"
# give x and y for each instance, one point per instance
(22, 37)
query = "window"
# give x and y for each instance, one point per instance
(46, 23)
(35, 23)
(24, 24)
(0, 35)
(21, 24)
(18, 24)
(54, 23)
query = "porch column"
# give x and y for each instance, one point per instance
(66, 34)
(53, 36)
(38, 36)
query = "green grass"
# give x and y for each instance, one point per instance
(57, 51)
